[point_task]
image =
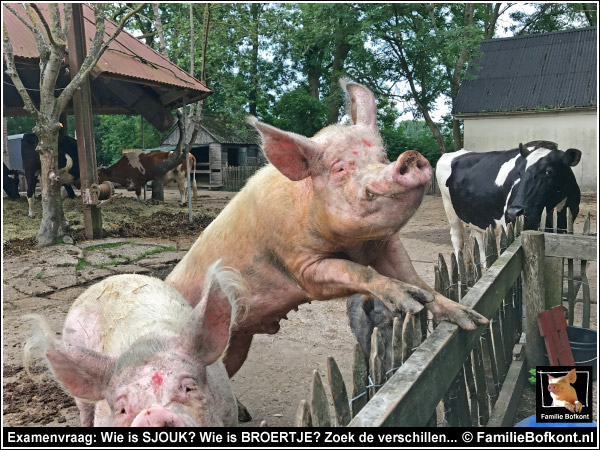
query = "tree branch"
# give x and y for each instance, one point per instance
(159, 29)
(11, 71)
(36, 8)
(94, 53)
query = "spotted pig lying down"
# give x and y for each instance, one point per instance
(134, 353)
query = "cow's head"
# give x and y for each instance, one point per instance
(546, 181)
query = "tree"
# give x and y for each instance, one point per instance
(51, 39)
(548, 17)
(183, 145)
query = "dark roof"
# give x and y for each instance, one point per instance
(551, 70)
(225, 132)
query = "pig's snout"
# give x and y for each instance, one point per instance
(552, 387)
(157, 417)
(411, 169)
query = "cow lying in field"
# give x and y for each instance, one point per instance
(494, 188)
(137, 168)
(68, 165)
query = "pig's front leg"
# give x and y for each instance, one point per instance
(333, 278)
(394, 262)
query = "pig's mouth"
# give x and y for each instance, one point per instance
(372, 194)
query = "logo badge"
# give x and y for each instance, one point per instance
(563, 394)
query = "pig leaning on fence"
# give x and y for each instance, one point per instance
(320, 222)
(134, 353)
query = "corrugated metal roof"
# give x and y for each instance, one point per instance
(542, 71)
(126, 56)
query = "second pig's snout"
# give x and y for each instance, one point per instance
(411, 169)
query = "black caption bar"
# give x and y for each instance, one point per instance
(294, 437)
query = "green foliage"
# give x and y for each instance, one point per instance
(532, 377)
(118, 132)
(413, 135)
(297, 111)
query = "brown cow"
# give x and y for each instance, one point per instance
(137, 168)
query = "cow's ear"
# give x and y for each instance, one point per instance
(571, 157)
(523, 150)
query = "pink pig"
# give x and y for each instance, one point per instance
(134, 353)
(320, 222)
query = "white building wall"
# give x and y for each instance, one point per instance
(568, 129)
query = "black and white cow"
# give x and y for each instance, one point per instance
(68, 165)
(10, 182)
(494, 188)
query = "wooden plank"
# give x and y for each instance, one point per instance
(503, 240)
(463, 282)
(319, 406)
(472, 389)
(570, 291)
(453, 292)
(569, 221)
(508, 400)
(533, 276)
(464, 411)
(480, 382)
(585, 322)
(360, 379)
(491, 249)
(303, 417)
(553, 328)
(491, 369)
(543, 220)
(409, 340)
(586, 224)
(571, 246)
(553, 274)
(396, 345)
(476, 261)
(499, 347)
(418, 381)
(376, 370)
(338, 393)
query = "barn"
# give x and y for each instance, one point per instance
(220, 145)
(540, 86)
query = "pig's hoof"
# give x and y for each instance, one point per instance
(578, 406)
(243, 414)
(445, 309)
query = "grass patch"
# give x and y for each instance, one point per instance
(66, 265)
(92, 248)
(81, 264)
(40, 275)
(154, 251)
(114, 262)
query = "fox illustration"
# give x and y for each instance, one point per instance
(563, 394)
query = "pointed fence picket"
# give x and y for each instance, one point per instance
(471, 397)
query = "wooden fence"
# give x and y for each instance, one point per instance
(234, 178)
(432, 187)
(467, 378)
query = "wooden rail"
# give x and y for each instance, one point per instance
(418, 380)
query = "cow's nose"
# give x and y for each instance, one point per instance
(513, 212)
(412, 169)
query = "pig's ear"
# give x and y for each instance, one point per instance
(572, 376)
(291, 153)
(362, 104)
(83, 372)
(208, 329)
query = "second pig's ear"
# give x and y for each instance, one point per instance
(572, 377)
(292, 154)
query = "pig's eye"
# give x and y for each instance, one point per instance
(191, 388)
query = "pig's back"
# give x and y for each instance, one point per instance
(112, 314)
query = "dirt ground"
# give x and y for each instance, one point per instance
(277, 374)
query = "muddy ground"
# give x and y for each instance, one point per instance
(278, 372)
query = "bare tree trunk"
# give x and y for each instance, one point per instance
(253, 94)
(159, 30)
(53, 225)
(336, 98)
(313, 61)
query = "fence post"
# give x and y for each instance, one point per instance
(533, 280)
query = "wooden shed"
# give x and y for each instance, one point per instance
(219, 146)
